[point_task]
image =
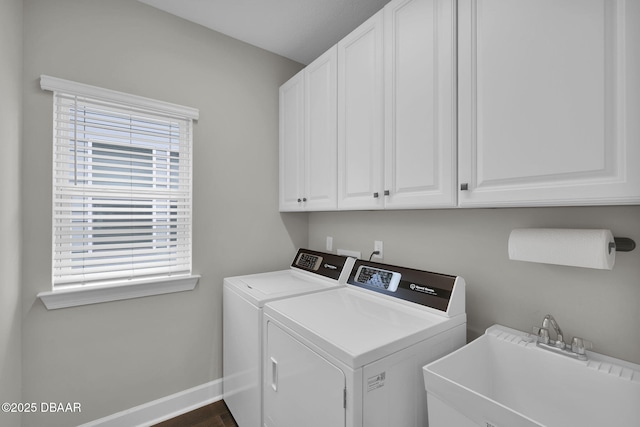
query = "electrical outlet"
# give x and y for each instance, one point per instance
(377, 247)
(329, 243)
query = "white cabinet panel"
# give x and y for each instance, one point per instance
(413, 164)
(420, 101)
(548, 93)
(308, 137)
(301, 388)
(321, 149)
(291, 142)
(360, 117)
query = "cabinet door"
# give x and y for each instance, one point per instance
(321, 146)
(301, 388)
(420, 137)
(360, 117)
(291, 143)
(549, 102)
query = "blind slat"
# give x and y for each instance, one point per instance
(118, 273)
(106, 193)
(96, 263)
(114, 254)
(103, 243)
(89, 158)
(129, 228)
(108, 276)
(129, 267)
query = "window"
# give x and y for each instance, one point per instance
(121, 186)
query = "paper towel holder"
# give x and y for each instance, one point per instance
(622, 244)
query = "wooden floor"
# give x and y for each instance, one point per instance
(214, 415)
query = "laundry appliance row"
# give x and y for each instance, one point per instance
(334, 341)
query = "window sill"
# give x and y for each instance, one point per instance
(120, 291)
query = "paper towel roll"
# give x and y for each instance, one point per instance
(575, 247)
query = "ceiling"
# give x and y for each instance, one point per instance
(300, 30)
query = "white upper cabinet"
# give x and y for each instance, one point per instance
(361, 117)
(549, 102)
(543, 110)
(308, 137)
(420, 104)
(396, 109)
(291, 151)
(321, 146)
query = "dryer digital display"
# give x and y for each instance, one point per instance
(378, 278)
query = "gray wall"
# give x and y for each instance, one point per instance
(113, 356)
(10, 137)
(599, 305)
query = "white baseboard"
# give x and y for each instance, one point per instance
(164, 408)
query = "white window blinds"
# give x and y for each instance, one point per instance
(121, 186)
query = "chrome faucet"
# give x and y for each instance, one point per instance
(578, 345)
(550, 321)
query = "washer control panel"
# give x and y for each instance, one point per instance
(308, 261)
(332, 266)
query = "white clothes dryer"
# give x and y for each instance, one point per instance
(353, 356)
(243, 300)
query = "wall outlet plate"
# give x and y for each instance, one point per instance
(377, 246)
(329, 243)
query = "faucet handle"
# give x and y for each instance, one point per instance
(579, 345)
(560, 341)
(542, 333)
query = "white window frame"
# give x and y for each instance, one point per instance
(126, 287)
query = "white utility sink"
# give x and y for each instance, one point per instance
(503, 379)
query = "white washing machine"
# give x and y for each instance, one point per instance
(353, 356)
(243, 299)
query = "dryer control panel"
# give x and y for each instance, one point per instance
(378, 277)
(438, 291)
